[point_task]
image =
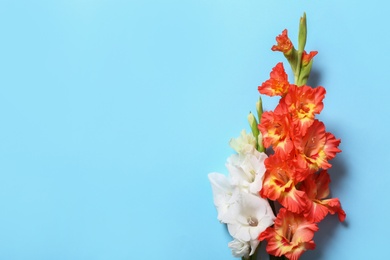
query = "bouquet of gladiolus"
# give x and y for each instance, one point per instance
(280, 168)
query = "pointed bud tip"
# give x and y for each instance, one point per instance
(302, 33)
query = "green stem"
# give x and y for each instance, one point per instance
(298, 69)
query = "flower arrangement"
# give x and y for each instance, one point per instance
(278, 185)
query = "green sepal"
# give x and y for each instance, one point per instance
(292, 59)
(304, 74)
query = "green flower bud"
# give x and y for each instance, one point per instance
(259, 109)
(253, 124)
(302, 33)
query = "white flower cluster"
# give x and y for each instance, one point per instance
(237, 199)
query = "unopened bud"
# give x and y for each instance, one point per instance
(259, 109)
(260, 146)
(253, 124)
(302, 33)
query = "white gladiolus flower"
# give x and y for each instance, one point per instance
(244, 143)
(249, 217)
(239, 248)
(222, 193)
(247, 170)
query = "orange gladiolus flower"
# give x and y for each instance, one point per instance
(284, 44)
(303, 103)
(279, 183)
(307, 57)
(278, 83)
(275, 128)
(317, 189)
(316, 147)
(291, 235)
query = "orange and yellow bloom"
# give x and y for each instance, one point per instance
(317, 189)
(279, 184)
(303, 103)
(316, 147)
(284, 44)
(291, 235)
(278, 83)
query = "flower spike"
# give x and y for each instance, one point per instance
(283, 160)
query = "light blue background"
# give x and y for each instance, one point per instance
(114, 112)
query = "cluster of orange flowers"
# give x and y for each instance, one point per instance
(296, 173)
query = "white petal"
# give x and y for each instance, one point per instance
(254, 244)
(244, 143)
(239, 248)
(247, 170)
(222, 193)
(252, 216)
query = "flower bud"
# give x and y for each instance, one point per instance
(259, 108)
(302, 33)
(253, 124)
(260, 145)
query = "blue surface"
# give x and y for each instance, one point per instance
(114, 112)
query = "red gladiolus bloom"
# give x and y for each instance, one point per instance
(291, 235)
(278, 83)
(279, 183)
(275, 129)
(284, 44)
(306, 58)
(317, 189)
(303, 103)
(316, 147)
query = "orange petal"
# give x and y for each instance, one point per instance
(284, 44)
(278, 83)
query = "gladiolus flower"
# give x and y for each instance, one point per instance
(316, 148)
(247, 170)
(306, 58)
(291, 235)
(243, 144)
(224, 194)
(239, 248)
(278, 83)
(275, 128)
(284, 44)
(249, 217)
(279, 184)
(317, 189)
(303, 103)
